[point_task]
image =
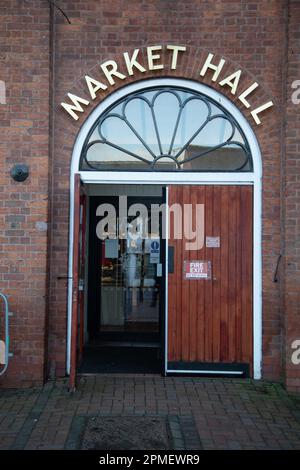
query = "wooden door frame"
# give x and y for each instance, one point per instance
(75, 283)
(77, 330)
(165, 179)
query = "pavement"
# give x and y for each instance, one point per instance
(201, 413)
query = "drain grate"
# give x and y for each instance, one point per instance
(127, 433)
(152, 432)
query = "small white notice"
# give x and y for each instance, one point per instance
(212, 242)
(155, 251)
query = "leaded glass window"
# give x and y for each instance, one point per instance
(166, 129)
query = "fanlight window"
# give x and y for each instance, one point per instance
(166, 129)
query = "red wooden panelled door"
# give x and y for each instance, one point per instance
(210, 321)
(77, 331)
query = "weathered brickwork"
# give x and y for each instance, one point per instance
(251, 35)
(24, 67)
(292, 201)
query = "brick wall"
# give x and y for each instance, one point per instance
(249, 34)
(292, 201)
(24, 67)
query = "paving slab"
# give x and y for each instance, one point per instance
(198, 413)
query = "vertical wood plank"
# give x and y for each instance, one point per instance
(179, 269)
(208, 284)
(200, 286)
(185, 305)
(238, 280)
(216, 274)
(232, 291)
(193, 254)
(224, 275)
(247, 272)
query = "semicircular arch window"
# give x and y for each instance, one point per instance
(166, 129)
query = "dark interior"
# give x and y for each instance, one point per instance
(125, 300)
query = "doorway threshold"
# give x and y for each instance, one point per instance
(126, 344)
(119, 359)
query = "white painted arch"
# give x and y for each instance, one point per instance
(113, 177)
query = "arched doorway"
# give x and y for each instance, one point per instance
(191, 142)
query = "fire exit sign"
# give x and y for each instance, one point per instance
(197, 270)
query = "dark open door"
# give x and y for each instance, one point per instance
(77, 330)
(210, 318)
(81, 288)
(126, 295)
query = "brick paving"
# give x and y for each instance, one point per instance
(202, 413)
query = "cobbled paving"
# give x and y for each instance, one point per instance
(198, 413)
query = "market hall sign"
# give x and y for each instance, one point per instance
(111, 72)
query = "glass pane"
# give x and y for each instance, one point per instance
(138, 113)
(193, 116)
(167, 129)
(130, 288)
(166, 109)
(103, 156)
(115, 130)
(225, 158)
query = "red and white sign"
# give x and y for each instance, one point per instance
(197, 270)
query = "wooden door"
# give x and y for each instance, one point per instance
(77, 330)
(210, 320)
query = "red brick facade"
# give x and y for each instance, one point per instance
(44, 57)
(24, 67)
(291, 201)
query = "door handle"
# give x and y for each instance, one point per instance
(171, 250)
(158, 270)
